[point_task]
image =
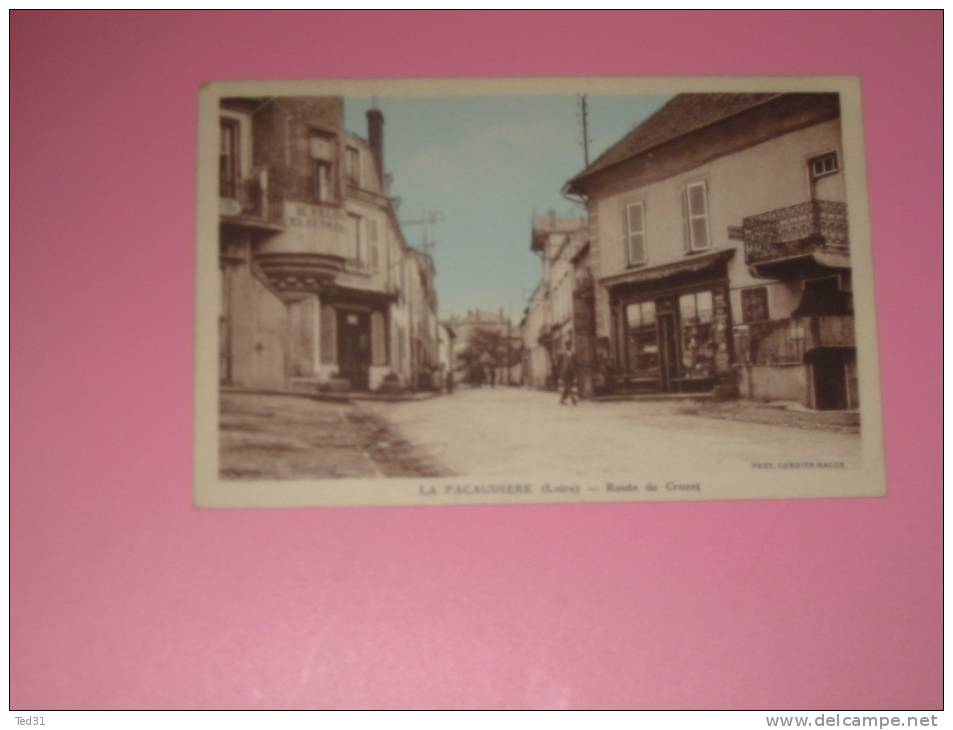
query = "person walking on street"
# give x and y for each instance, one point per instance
(567, 372)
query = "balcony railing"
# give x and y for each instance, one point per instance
(787, 340)
(798, 230)
(251, 200)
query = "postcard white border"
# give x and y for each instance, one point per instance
(867, 480)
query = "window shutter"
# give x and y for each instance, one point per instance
(634, 221)
(686, 231)
(329, 354)
(378, 342)
(625, 233)
(698, 209)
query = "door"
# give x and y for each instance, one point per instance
(668, 352)
(830, 379)
(354, 348)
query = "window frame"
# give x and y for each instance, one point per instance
(330, 165)
(628, 232)
(744, 310)
(688, 216)
(352, 155)
(234, 152)
(360, 242)
(834, 154)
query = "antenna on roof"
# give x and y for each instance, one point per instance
(584, 120)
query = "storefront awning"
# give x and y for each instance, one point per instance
(689, 265)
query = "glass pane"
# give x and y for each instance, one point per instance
(648, 313)
(643, 352)
(698, 350)
(686, 307)
(633, 316)
(704, 304)
(699, 233)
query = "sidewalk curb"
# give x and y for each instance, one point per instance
(329, 397)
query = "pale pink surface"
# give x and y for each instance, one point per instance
(124, 596)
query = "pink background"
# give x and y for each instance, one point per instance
(124, 596)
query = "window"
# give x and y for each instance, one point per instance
(695, 217)
(696, 308)
(372, 243)
(357, 233)
(352, 166)
(823, 165)
(634, 227)
(754, 304)
(228, 158)
(641, 339)
(641, 314)
(324, 157)
(698, 336)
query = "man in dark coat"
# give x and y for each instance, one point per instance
(567, 373)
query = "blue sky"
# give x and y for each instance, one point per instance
(486, 164)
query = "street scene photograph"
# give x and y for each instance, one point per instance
(586, 283)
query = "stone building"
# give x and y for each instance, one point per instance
(318, 285)
(720, 250)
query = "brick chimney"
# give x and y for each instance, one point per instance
(375, 137)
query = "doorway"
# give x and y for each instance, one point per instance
(354, 348)
(668, 352)
(829, 374)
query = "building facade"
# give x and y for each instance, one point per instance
(720, 251)
(506, 362)
(560, 311)
(318, 285)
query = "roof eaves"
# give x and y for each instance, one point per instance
(590, 172)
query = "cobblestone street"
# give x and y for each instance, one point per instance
(498, 432)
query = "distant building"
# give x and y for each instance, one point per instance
(318, 284)
(446, 347)
(720, 249)
(557, 308)
(507, 363)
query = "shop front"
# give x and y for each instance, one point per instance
(354, 346)
(670, 327)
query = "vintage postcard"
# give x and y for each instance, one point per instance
(458, 291)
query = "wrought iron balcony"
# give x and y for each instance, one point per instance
(251, 202)
(814, 232)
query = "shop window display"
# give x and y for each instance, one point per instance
(698, 334)
(642, 339)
